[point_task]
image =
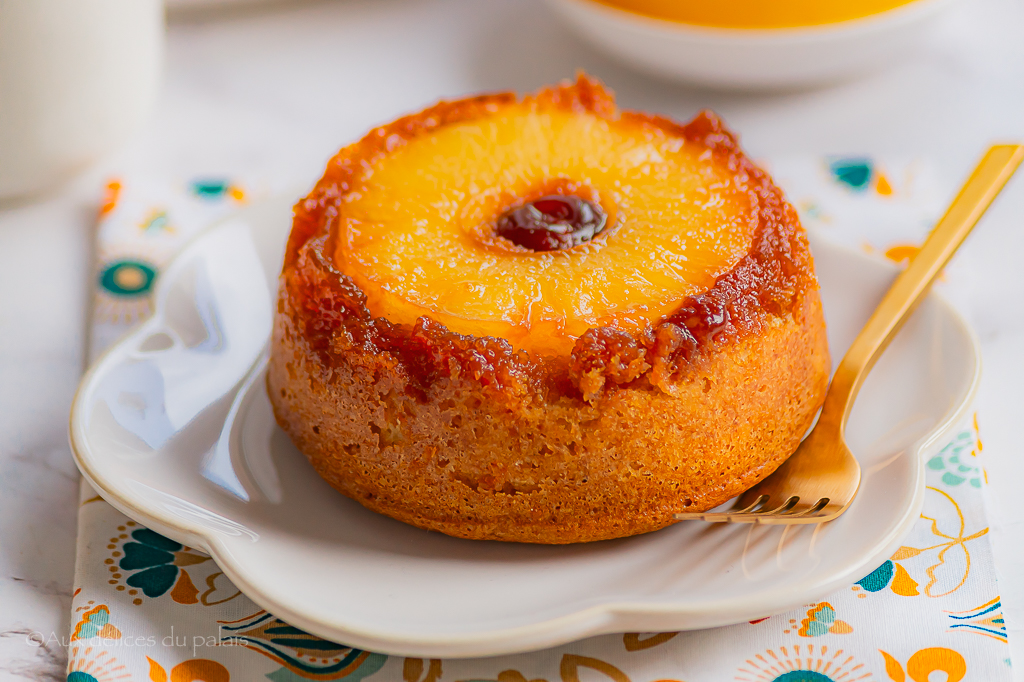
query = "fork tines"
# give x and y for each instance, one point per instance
(790, 511)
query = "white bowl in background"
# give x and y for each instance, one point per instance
(753, 59)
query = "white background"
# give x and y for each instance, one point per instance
(273, 89)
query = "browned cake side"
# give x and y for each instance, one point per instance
(559, 471)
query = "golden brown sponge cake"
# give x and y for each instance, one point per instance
(546, 320)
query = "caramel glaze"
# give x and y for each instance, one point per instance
(771, 280)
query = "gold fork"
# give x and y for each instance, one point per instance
(819, 481)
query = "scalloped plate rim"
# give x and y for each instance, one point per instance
(586, 622)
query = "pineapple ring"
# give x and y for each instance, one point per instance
(418, 237)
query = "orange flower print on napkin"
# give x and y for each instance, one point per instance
(821, 620)
(193, 670)
(95, 622)
(947, 561)
(802, 663)
(925, 662)
(92, 664)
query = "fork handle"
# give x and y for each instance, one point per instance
(910, 287)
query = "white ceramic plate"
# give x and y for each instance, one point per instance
(753, 58)
(173, 427)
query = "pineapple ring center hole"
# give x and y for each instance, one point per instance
(552, 222)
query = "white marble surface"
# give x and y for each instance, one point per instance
(272, 89)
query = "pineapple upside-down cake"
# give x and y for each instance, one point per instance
(546, 320)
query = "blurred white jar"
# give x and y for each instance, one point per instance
(76, 78)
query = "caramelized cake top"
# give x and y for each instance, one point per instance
(559, 225)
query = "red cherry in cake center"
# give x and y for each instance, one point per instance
(552, 222)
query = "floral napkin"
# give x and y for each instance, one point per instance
(148, 608)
